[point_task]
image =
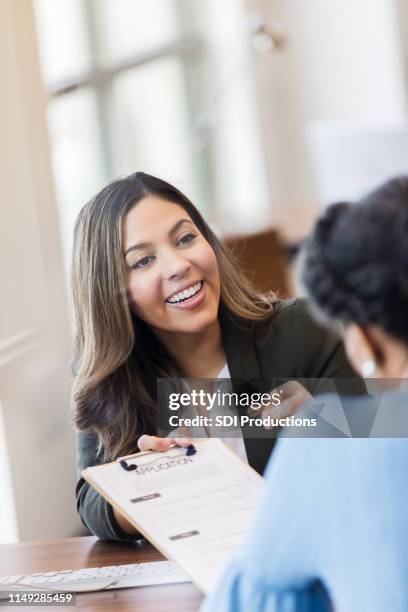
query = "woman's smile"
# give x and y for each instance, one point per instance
(188, 298)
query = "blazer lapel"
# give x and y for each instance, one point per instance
(239, 347)
(239, 341)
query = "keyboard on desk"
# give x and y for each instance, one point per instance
(97, 578)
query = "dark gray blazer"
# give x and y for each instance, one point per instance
(290, 344)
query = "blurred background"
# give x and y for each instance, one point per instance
(261, 111)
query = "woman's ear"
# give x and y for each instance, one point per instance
(361, 350)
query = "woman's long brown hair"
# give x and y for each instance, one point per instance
(117, 357)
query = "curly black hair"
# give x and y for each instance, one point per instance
(356, 260)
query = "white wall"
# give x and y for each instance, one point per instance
(8, 522)
(343, 61)
(37, 443)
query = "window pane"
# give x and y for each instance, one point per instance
(151, 130)
(137, 26)
(62, 38)
(77, 157)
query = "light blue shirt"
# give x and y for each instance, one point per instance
(335, 513)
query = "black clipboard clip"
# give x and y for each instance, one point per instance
(130, 467)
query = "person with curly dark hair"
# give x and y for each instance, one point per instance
(356, 269)
(332, 530)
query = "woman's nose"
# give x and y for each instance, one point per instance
(175, 265)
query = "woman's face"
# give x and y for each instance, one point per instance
(173, 282)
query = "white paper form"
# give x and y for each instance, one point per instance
(195, 509)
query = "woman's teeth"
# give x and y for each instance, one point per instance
(184, 295)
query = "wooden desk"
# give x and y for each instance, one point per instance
(76, 553)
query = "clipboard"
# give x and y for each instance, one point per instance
(195, 509)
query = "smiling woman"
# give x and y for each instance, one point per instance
(140, 244)
(157, 295)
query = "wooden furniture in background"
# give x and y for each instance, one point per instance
(263, 257)
(88, 551)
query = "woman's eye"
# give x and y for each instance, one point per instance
(187, 238)
(143, 263)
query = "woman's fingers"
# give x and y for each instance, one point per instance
(287, 408)
(181, 433)
(292, 394)
(182, 441)
(146, 443)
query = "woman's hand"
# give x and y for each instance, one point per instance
(292, 395)
(154, 443)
